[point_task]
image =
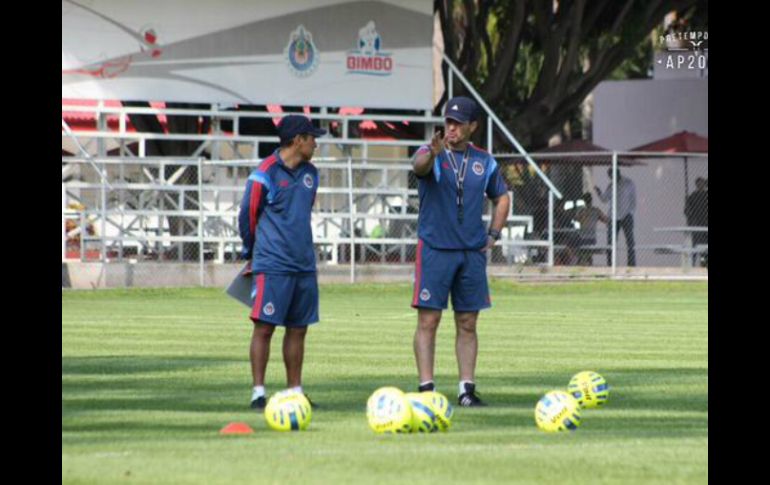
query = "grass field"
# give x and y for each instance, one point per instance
(150, 376)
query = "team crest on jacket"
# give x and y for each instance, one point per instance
(478, 168)
(269, 309)
(425, 294)
(308, 181)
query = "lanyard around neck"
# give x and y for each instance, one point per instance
(459, 178)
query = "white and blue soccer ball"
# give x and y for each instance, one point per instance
(388, 411)
(442, 409)
(288, 411)
(423, 415)
(557, 411)
(589, 388)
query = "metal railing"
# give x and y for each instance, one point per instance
(126, 225)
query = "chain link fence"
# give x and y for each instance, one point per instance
(172, 221)
(661, 202)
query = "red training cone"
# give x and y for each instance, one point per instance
(236, 428)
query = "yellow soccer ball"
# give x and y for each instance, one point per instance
(288, 411)
(589, 389)
(441, 408)
(557, 411)
(423, 416)
(388, 411)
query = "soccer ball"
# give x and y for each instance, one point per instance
(557, 411)
(589, 389)
(441, 407)
(288, 411)
(423, 416)
(388, 411)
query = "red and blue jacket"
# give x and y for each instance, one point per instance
(438, 223)
(274, 219)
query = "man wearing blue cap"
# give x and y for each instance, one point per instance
(274, 223)
(454, 176)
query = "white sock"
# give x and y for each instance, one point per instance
(297, 389)
(462, 386)
(257, 392)
(427, 382)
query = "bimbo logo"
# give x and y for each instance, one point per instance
(301, 54)
(367, 58)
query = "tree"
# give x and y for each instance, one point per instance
(535, 61)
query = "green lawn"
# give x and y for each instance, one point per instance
(150, 376)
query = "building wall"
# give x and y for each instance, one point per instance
(632, 113)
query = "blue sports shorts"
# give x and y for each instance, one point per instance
(290, 300)
(439, 272)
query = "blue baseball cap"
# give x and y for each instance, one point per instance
(462, 109)
(293, 125)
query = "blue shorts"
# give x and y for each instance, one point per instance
(285, 299)
(438, 271)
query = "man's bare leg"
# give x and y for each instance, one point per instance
(425, 342)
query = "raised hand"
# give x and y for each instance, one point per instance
(437, 142)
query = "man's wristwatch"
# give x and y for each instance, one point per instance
(494, 234)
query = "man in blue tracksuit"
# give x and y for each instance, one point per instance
(274, 223)
(454, 178)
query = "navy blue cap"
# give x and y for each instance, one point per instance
(293, 125)
(462, 109)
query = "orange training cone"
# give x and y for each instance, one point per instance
(236, 428)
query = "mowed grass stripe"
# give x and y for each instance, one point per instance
(149, 377)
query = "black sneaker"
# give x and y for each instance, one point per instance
(469, 398)
(427, 387)
(259, 403)
(312, 404)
